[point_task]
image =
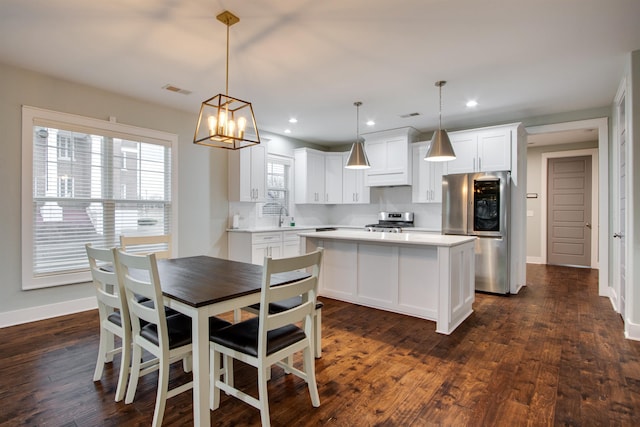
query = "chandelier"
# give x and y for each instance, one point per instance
(224, 121)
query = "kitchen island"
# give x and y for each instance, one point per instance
(429, 276)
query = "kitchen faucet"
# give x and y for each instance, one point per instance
(280, 220)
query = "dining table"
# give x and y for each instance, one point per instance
(204, 286)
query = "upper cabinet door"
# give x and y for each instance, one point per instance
(353, 189)
(389, 156)
(464, 146)
(247, 175)
(309, 176)
(259, 172)
(333, 178)
(494, 150)
(427, 176)
(482, 150)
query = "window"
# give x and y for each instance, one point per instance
(278, 186)
(65, 145)
(65, 186)
(88, 181)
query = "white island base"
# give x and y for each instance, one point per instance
(427, 276)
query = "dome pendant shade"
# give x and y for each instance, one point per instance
(357, 156)
(440, 149)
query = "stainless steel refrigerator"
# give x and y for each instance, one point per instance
(477, 204)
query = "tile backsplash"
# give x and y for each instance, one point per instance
(427, 215)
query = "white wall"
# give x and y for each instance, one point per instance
(202, 175)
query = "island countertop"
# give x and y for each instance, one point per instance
(422, 239)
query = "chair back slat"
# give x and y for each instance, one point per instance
(139, 275)
(306, 288)
(144, 245)
(109, 291)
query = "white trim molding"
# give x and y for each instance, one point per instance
(632, 330)
(32, 314)
(602, 124)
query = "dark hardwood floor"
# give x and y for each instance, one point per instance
(554, 354)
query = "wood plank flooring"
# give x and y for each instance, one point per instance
(554, 354)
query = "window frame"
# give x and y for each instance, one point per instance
(288, 162)
(34, 116)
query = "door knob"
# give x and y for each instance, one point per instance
(617, 235)
(588, 225)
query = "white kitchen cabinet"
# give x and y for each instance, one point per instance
(333, 166)
(353, 189)
(428, 278)
(265, 244)
(427, 176)
(481, 150)
(261, 250)
(389, 157)
(309, 176)
(290, 243)
(252, 247)
(248, 174)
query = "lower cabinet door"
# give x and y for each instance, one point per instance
(261, 250)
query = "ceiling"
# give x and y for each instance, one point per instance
(312, 59)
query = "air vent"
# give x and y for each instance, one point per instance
(406, 116)
(172, 88)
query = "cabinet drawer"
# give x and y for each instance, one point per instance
(266, 238)
(292, 235)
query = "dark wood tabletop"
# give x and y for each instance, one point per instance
(202, 280)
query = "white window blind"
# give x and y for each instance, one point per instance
(89, 182)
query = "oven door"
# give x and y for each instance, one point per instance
(489, 210)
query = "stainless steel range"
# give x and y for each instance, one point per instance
(391, 222)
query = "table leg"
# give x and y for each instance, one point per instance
(200, 336)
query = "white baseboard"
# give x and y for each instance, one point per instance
(632, 331)
(535, 260)
(32, 314)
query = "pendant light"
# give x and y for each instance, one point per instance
(357, 157)
(440, 149)
(224, 121)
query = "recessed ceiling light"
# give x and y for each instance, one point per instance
(287, 131)
(370, 123)
(293, 120)
(472, 103)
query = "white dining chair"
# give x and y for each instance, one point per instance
(280, 306)
(114, 315)
(144, 245)
(270, 339)
(168, 338)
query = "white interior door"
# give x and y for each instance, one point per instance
(619, 259)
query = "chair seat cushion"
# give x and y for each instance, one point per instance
(115, 318)
(179, 331)
(280, 306)
(179, 327)
(243, 337)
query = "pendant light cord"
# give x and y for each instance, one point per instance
(227, 69)
(440, 110)
(357, 104)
